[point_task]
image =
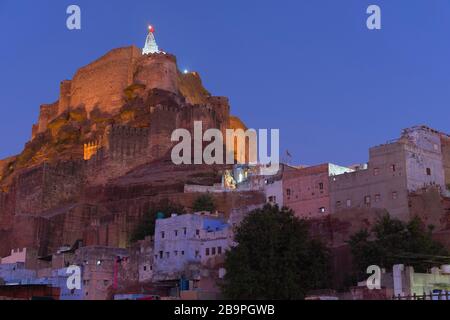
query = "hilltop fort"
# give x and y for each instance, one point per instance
(98, 157)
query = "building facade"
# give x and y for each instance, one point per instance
(190, 239)
(395, 169)
(307, 190)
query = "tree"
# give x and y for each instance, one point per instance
(391, 241)
(275, 258)
(146, 226)
(205, 202)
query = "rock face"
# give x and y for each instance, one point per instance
(100, 155)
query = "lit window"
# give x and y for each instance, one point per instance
(367, 199)
(376, 171)
(394, 195)
(322, 210)
(349, 203)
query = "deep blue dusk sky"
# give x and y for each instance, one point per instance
(308, 67)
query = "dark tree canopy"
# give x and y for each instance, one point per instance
(275, 258)
(146, 226)
(391, 241)
(205, 202)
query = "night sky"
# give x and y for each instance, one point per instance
(308, 67)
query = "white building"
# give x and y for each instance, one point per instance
(183, 240)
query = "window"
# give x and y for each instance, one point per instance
(145, 268)
(197, 253)
(207, 251)
(167, 255)
(176, 233)
(428, 172)
(182, 253)
(377, 197)
(376, 171)
(175, 253)
(162, 235)
(160, 254)
(367, 199)
(288, 192)
(349, 203)
(322, 210)
(197, 232)
(184, 231)
(393, 168)
(213, 251)
(338, 204)
(394, 195)
(105, 282)
(272, 199)
(321, 186)
(219, 250)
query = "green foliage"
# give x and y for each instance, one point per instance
(275, 258)
(204, 202)
(146, 227)
(391, 242)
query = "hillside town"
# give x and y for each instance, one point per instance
(72, 203)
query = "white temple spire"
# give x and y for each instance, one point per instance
(150, 42)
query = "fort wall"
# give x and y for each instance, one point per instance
(157, 70)
(102, 82)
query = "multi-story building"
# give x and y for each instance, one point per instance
(190, 239)
(395, 169)
(307, 191)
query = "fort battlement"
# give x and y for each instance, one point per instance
(119, 142)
